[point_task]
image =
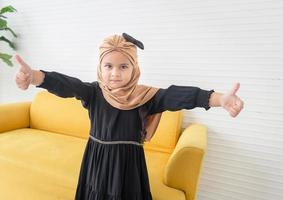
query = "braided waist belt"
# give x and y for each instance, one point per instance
(115, 142)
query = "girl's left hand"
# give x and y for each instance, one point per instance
(231, 102)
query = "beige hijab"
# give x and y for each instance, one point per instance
(131, 95)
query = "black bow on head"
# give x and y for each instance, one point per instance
(133, 40)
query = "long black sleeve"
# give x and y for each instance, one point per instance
(67, 86)
(179, 97)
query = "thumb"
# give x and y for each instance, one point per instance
(23, 66)
(234, 89)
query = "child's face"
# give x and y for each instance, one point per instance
(116, 69)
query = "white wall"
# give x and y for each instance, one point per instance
(205, 43)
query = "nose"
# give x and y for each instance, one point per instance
(115, 72)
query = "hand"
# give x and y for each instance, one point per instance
(24, 76)
(231, 102)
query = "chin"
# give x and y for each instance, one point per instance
(115, 86)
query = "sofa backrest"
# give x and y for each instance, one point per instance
(61, 115)
(167, 133)
(67, 116)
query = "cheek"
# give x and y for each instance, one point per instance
(127, 77)
(104, 75)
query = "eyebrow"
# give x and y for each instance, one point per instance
(120, 64)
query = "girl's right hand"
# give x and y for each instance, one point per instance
(24, 76)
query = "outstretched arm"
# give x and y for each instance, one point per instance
(179, 97)
(187, 97)
(56, 83)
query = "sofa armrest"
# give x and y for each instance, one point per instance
(14, 116)
(183, 168)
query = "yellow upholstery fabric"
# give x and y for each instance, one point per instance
(42, 144)
(183, 167)
(60, 115)
(14, 115)
(167, 134)
(156, 162)
(40, 164)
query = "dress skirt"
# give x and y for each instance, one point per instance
(113, 172)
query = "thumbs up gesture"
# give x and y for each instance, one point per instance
(24, 75)
(231, 102)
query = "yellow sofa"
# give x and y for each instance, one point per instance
(42, 144)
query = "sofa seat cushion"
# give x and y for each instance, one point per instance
(39, 165)
(156, 162)
(46, 166)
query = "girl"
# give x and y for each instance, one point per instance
(123, 115)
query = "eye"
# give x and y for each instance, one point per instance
(124, 66)
(107, 66)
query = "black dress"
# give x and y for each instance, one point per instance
(118, 171)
